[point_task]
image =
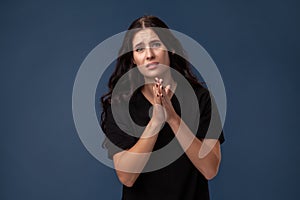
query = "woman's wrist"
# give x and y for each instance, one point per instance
(174, 120)
(157, 124)
(154, 126)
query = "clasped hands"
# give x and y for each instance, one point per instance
(163, 110)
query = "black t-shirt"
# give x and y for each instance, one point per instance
(179, 180)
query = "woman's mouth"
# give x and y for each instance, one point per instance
(152, 65)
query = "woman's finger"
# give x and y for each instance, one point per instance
(161, 81)
(165, 99)
(160, 89)
(167, 89)
(156, 94)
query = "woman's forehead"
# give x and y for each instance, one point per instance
(144, 36)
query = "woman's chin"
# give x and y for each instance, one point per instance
(153, 73)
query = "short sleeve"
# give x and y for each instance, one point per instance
(116, 139)
(206, 114)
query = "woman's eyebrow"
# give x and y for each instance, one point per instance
(138, 44)
(156, 40)
(141, 43)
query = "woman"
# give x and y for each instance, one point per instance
(150, 47)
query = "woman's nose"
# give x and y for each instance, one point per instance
(149, 53)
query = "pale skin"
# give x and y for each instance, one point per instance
(129, 163)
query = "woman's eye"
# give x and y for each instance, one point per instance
(139, 49)
(156, 44)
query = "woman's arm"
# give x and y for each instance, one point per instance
(206, 154)
(130, 163)
(208, 164)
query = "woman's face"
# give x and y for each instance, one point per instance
(150, 54)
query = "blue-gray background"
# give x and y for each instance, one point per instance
(255, 44)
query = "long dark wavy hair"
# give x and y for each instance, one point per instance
(125, 58)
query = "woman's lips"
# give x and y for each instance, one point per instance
(152, 65)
